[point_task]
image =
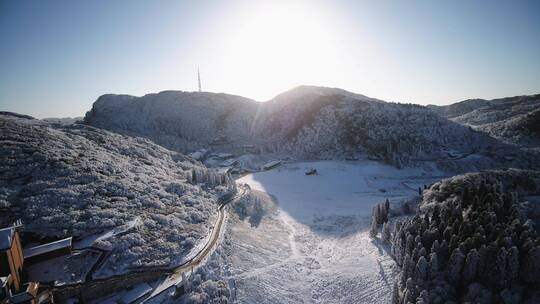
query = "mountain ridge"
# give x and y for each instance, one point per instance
(306, 122)
(510, 119)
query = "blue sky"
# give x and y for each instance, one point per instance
(57, 57)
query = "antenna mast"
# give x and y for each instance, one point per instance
(199, 79)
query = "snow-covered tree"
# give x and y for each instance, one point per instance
(474, 228)
(374, 225)
(410, 291)
(386, 235)
(471, 266)
(433, 266)
(512, 264)
(423, 298)
(406, 269)
(500, 268)
(531, 265)
(422, 269)
(455, 265)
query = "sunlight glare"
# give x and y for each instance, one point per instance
(279, 45)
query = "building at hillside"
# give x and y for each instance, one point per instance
(11, 258)
(13, 279)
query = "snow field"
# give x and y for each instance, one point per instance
(315, 248)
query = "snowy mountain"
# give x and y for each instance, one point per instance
(124, 195)
(313, 122)
(306, 122)
(177, 120)
(513, 119)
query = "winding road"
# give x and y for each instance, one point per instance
(188, 266)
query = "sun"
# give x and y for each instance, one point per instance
(277, 45)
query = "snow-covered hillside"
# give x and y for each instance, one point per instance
(512, 119)
(305, 122)
(125, 195)
(474, 240)
(312, 122)
(177, 120)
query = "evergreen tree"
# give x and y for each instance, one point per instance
(421, 271)
(423, 298)
(410, 291)
(500, 270)
(435, 246)
(382, 213)
(531, 265)
(433, 266)
(512, 264)
(193, 177)
(471, 266)
(455, 265)
(374, 226)
(406, 269)
(386, 236)
(395, 294)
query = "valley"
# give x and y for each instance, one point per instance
(269, 152)
(302, 221)
(319, 226)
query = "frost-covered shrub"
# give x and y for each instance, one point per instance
(206, 284)
(209, 291)
(254, 205)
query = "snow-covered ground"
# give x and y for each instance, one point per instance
(339, 188)
(314, 246)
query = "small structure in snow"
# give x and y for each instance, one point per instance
(200, 154)
(508, 157)
(222, 155)
(12, 260)
(229, 163)
(179, 288)
(270, 165)
(312, 172)
(48, 251)
(249, 148)
(220, 140)
(236, 170)
(224, 170)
